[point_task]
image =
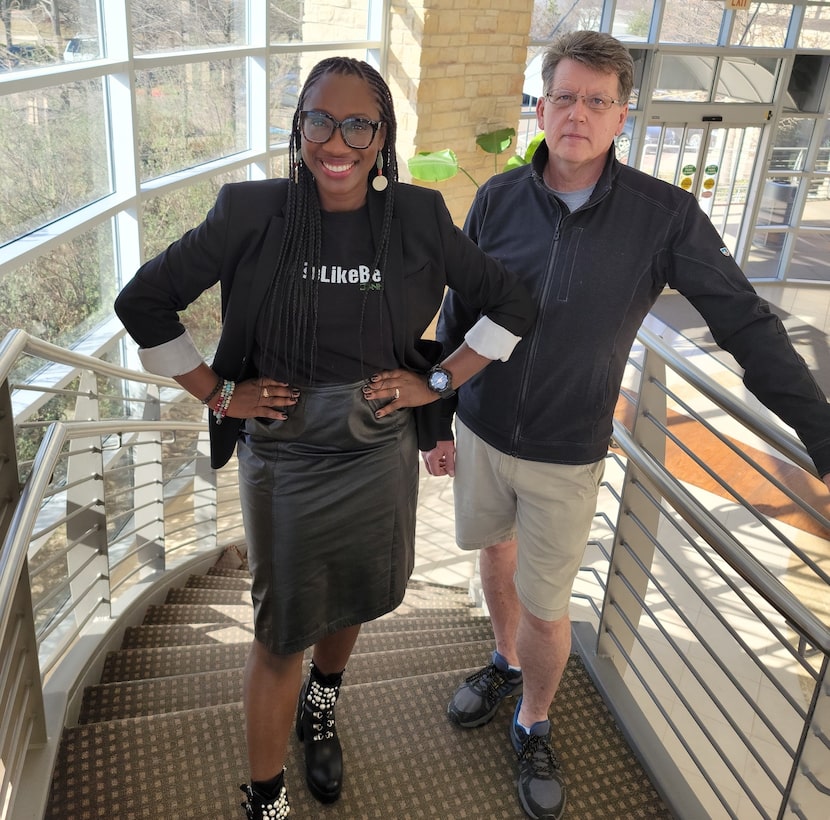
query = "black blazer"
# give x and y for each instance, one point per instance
(238, 245)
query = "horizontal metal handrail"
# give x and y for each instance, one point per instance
(18, 342)
(24, 517)
(724, 543)
(773, 434)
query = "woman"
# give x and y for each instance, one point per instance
(329, 280)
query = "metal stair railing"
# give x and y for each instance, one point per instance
(704, 621)
(709, 638)
(109, 500)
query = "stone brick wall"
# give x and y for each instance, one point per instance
(456, 70)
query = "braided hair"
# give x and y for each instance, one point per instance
(290, 317)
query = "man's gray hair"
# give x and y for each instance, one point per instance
(595, 50)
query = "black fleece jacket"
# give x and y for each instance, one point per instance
(595, 274)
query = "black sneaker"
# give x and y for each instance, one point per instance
(477, 700)
(540, 784)
(259, 808)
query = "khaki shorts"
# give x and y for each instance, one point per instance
(548, 508)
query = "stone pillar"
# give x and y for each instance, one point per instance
(456, 70)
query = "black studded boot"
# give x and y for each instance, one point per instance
(258, 807)
(317, 731)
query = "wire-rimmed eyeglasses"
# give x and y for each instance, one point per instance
(357, 132)
(565, 99)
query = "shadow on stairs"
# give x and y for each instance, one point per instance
(162, 735)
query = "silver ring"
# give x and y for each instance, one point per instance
(397, 394)
(265, 393)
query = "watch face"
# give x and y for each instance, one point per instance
(438, 381)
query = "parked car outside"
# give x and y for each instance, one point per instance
(81, 48)
(26, 55)
(671, 140)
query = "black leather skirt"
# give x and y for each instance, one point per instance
(328, 502)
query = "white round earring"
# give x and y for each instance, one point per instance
(380, 182)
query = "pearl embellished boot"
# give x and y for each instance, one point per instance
(259, 808)
(316, 729)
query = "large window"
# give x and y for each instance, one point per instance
(120, 120)
(726, 108)
(115, 141)
(54, 153)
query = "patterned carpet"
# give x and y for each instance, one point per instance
(163, 735)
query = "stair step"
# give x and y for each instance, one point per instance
(221, 590)
(139, 698)
(424, 619)
(227, 572)
(372, 641)
(199, 614)
(403, 759)
(243, 614)
(168, 661)
(410, 761)
(188, 605)
(138, 637)
(165, 661)
(217, 582)
(135, 698)
(159, 635)
(193, 596)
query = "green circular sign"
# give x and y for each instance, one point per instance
(689, 169)
(711, 169)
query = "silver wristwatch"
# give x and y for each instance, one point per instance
(439, 380)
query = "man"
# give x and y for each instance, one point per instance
(596, 242)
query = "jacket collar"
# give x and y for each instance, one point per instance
(609, 170)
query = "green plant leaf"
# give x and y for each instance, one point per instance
(433, 166)
(495, 142)
(516, 161)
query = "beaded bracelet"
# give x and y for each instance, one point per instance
(207, 399)
(225, 394)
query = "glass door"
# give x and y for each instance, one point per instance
(712, 161)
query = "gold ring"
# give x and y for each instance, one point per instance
(397, 394)
(265, 393)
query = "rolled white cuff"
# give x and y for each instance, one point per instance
(172, 358)
(491, 340)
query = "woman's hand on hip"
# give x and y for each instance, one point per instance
(263, 398)
(400, 388)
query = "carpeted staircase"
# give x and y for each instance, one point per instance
(162, 736)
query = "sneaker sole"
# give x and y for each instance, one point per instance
(485, 718)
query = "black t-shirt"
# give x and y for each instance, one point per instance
(354, 330)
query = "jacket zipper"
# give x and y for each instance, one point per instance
(525, 383)
(543, 298)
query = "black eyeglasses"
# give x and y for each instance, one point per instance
(357, 132)
(565, 99)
